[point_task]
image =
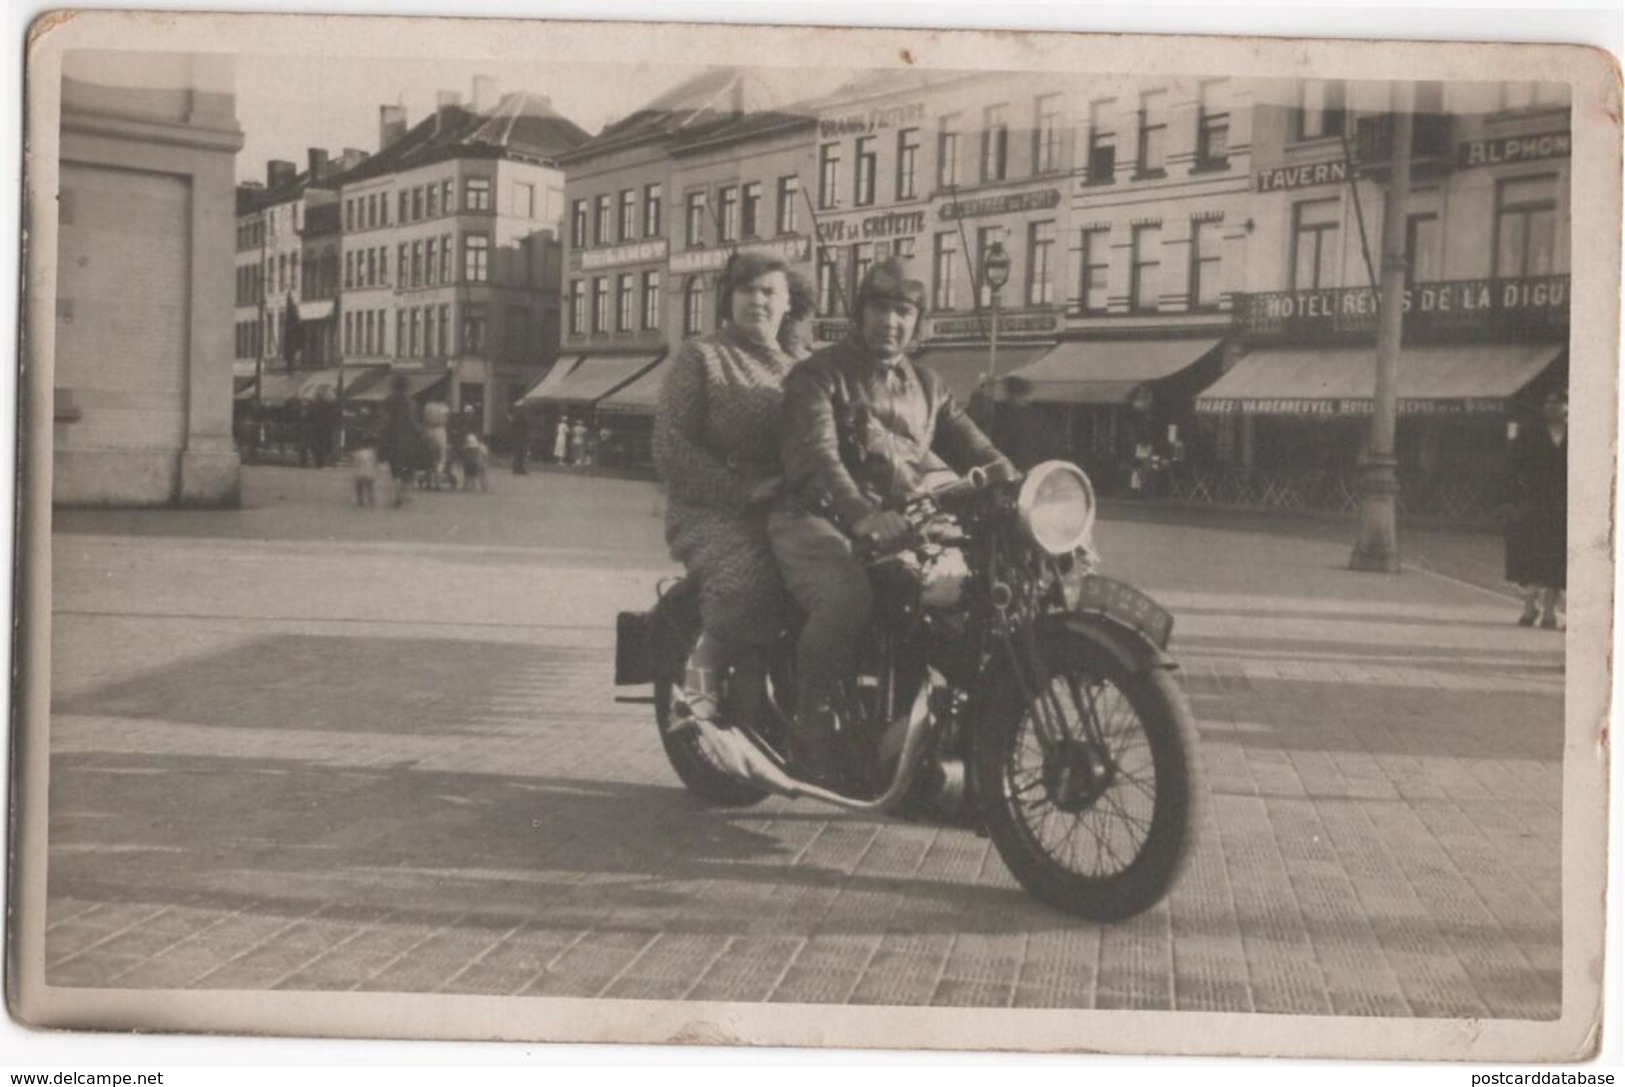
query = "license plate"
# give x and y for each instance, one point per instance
(1126, 604)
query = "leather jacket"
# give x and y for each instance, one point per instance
(832, 463)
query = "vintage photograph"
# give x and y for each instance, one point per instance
(815, 536)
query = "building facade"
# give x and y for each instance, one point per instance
(144, 290)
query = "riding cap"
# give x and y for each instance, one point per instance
(889, 281)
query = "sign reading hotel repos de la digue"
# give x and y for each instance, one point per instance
(1303, 175)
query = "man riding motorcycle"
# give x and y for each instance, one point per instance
(865, 430)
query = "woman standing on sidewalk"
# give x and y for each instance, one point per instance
(401, 438)
(716, 447)
(1537, 536)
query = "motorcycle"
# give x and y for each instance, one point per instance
(1004, 684)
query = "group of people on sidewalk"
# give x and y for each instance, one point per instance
(415, 447)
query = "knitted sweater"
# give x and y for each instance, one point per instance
(716, 427)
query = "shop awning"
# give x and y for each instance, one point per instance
(1107, 372)
(1461, 379)
(963, 368)
(638, 397)
(550, 380)
(418, 385)
(279, 385)
(319, 310)
(593, 378)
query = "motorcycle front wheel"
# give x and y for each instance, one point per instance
(1098, 825)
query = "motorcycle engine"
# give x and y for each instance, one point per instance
(941, 574)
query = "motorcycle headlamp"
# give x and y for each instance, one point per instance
(1057, 507)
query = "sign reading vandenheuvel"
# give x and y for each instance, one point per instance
(1004, 204)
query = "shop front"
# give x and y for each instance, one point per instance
(566, 407)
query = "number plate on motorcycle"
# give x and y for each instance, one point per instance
(1127, 605)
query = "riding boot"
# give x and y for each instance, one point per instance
(812, 745)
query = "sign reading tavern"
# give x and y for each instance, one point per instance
(1278, 178)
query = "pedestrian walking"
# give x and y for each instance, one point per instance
(323, 421)
(579, 453)
(436, 414)
(364, 463)
(561, 441)
(519, 434)
(1537, 514)
(402, 437)
(475, 455)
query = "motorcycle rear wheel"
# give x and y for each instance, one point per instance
(1112, 848)
(698, 773)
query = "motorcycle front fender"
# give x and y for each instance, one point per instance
(1130, 649)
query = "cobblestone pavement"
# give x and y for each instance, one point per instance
(303, 746)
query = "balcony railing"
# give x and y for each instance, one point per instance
(1431, 150)
(1534, 307)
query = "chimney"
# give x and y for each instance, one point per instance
(351, 158)
(444, 101)
(317, 158)
(487, 91)
(391, 125)
(279, 172)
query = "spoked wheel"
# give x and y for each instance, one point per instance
(1088, 796)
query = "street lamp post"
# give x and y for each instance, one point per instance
(995, 273)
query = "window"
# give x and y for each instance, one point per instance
(1102, 166)
(1040, 248)
(693, 306)
(416, 343)
(405, 202)
(1151, 160)
(518, 332)
(1212, 125)
(944, 259)
(908, 155)
(789, 193)
(400, 332)
(948, 152)
(863, 256)
(1525, 226)
(445, 258)
(473, 330)
(1320, 109)
(524, 199)
(281, 272)
(828, 273)
(1047, 133)
(1145, 268)
(476, 256)
(431, 200)
(378, 209)
(403, 264)
(417, 204)
(600, 223)
(985, 237)
(995, 142)
(903, 248)
(349, 275)
(651, 210)
(750, 210)
(600, 304)
(349, 221)
(1205, 254)
(1314, 244)
(443, 346)
(383, 265)
(863, 190)
(417, 263)
(694, 219)
(651, 300)
(1093, 262)
(448, 197)
(626, 228)
(429, 329)
(367, 341)
(623, 302)
(1422, 248)
(1526, 95)
(578, 307)
(829, 173)
(430, 267)
(727, 214)
(477, 194)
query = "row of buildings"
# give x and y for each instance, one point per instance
(1193, 261)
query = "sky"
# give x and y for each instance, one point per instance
(286, 104)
